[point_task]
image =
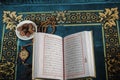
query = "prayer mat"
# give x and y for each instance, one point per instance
(64, 18)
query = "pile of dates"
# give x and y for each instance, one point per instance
(26, 29)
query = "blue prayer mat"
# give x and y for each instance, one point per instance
(101, 17)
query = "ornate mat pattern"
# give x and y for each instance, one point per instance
(108, 18)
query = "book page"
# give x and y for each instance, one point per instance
(90, 55)
(75, 56)
(37, 55)
(48, 60)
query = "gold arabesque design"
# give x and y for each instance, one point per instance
(65, 17)
(60, 16)
(109, 17)
(7, 69)
(11, 19)
(8, 59)
(24, 54)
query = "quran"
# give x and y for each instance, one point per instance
(65, 58)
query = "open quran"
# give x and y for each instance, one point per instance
(65, 58)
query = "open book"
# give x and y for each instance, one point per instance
(65, 58)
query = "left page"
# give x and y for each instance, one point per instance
(47, 56)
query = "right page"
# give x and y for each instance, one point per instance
(90, 53)
(78, 51)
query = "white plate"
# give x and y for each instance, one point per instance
(25, 37)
